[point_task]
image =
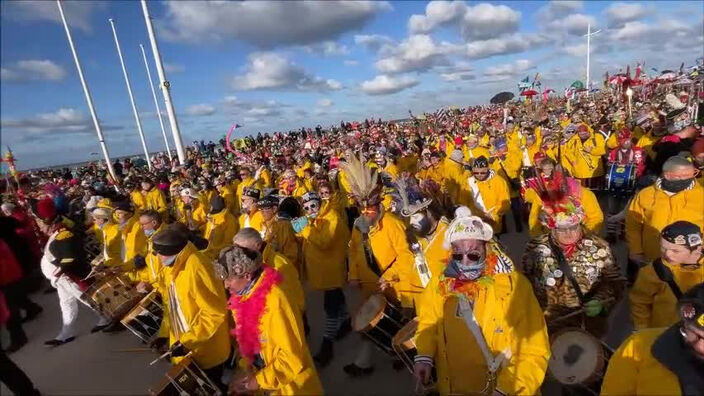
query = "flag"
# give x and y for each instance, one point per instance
(639, 70)
(536, 80)
(525, 80)
(682, 68)
(654, 69)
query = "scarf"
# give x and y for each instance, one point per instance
(248, 313)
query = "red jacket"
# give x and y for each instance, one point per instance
(10, 269)
(635, 155)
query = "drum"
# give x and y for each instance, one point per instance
(621, 178)
(379, 320)
(113, 295)
(404, 344)
(144, 320)
(577, 357)
(185, 378)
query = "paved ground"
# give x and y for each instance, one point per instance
(96, 364)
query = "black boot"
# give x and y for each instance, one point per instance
(325, 355)
(345, 328)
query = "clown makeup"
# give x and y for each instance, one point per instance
(679, 254)
(420, 223)
(311, 207)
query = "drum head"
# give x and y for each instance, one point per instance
(577, 357)
(369, 312)
(405, 338)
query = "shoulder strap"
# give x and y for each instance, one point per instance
(665, 274)
(371, 261)
(566, 270)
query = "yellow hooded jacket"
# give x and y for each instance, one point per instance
(280, 238)
(324, 240)
(582, 164)
(652, 209)
(219, 231)
(291, 281)
(495, 195)
(110, 239)
(652, 302)
(254, 220)
(436, 256)
(511, 322)
(134, 242)
(593, 215)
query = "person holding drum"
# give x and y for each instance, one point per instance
(195, 302)
(626, 153)
(268, 329)
(663, 361)
(674, 196)
(480, 324)
(109, 235)
(660, 284)
(191, 210)
(63, 265)
(583, 153)
(134, 242)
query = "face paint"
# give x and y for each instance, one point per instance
(420, 224)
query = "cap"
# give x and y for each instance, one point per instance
(480, 162)
(268, 201)
(189, 192)
(170, 241)
(217, 204)
(683, 233)
(251, 192)
(466, 226)
(310, 196)
(237, 261)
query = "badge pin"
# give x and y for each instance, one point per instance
(557, 274)
(550, 281)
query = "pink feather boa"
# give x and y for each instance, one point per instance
(248, 312)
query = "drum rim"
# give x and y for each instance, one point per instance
(375, 318)
(601, 356)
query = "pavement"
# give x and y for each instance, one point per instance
(106, 364)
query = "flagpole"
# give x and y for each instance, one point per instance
(86, 91)
(589, 35)
(129, 93)
(156, 103)
(164, 84)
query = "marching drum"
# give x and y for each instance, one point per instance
(621, 178)
(144, 320)
(379, 320)
(112, 295)
(404, 343)
(577, 357)
(185, 378)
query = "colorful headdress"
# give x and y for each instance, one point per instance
(363, 182)
(412, 199)
(560, 197)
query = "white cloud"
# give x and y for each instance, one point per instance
(62, 120)
(44, 70)
(512, 44)
(479, 22)
(417, 53)
(558, 8)
(637, 35)
(350, 62)
(373, 42)
(269, 70)
(509, 69)
(78, 13)
(174, 68)
(385, 85)
(252, 110)
(265, 24)
(325, 102)
(578, 50)
(460, 71)
(327, 48)
(574, 24)
(620, 13)
(202, 109)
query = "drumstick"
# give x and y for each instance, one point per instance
(580, 311)
(164, 356)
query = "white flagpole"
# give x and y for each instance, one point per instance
(589, 35)
(164, 84)
(156, 103)
(129, 92)
(86, 91)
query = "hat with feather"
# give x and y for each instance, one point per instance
(676, 115)
(363, 182)
(411, 198)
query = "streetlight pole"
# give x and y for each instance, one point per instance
(164, 84)
(86, 92)
(156, 103)
(589, 35)
(129, 93)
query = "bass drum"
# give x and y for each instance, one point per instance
(380, 321)
(577, 357)
(621, 178)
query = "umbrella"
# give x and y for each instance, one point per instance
(529, 92)
(617, 79)
(667, 76)
(683, 81)
(501, 97)
(549, 91)
(577, 84)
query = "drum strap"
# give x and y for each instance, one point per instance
(371, 261)
(476, 195)
(493, 363)
(565, 268)
(665, 275)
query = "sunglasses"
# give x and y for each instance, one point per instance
(471, 256)
(310, 207)
(480, 172)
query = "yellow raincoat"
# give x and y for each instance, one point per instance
(280, 238)
(200, 308)
(495, 194)
(511, 322)
(154, 199)
(198, 214)
(582, 164)
(110, 239)
(470, 154)
(246, 183)
(455, 181)
(436, 256)
(633, 371)
(228, 195)
(652, 301)
(593, 216)
(652, 209)
(291, 281)
(288, 366)
(219, 231)
(134, 242)
(324, 239)
(254, 220)
(387, 240)
(646, 142)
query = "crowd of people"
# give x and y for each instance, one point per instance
(411, 215)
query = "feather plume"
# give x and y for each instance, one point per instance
(401, 187)
(362, 180)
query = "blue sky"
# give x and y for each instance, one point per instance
(281, 65)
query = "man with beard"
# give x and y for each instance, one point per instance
(489, 194)
(674, 196)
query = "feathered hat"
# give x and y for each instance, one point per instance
(676, 115)
(412, 199)
(560, 197)
(363, 182)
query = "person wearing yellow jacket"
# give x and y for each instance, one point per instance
(489, 194)
(195, 301)
(134, 242)
(674, 196)
(149, 197)
(277, 233)
(250, 215)
(247, 181)
(274, 355)
(324, 236)
(293, 186)
(480, 324)
(662, 361)
(434, 171)
(455, 180)
(583, 152)
(473, 150)
(220, 228)
(192, 211)
(332, 199)
(227, 194)
(652, 299)
(108, 233)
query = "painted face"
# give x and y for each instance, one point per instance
(420, 223)
(312, 208)
(324, 193)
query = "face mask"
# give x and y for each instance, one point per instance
(420, 224)
(149, 232)
(168, 261)
(469, 272)
(100, 226)
(675, 186)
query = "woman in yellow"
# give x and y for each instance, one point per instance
(681, 265)
(195, 301)
(480, 324)
(108, 233)
(278, 233)
(134, 242)
(662, 361)
(274, 354)
(325, 235)
(220, 228)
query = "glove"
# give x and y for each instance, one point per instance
(593, 308)
(299, 224)
(178, 349)
(159, 344)
(139, 262)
